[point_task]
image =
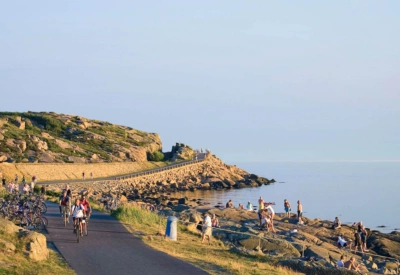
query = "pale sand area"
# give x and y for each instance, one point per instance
(66, 171)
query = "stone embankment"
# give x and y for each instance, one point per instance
(209, 174)
(73, 171)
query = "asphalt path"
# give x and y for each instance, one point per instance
(110, 249)
(171, 166)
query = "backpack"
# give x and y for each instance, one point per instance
(64, 201)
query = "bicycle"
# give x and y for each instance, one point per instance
(78, 228)
(64, 210)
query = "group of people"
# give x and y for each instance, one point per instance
(360, 236)
(13, 185)
(79, 210)
(84, 175)
(350, 264)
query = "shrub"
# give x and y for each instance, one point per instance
(135, 215)
(155, 156)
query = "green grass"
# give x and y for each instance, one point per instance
(137, 216)
(216, 259)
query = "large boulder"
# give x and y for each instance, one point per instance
(8, 227)
(35, 246)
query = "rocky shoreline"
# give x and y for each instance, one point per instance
(310, 248)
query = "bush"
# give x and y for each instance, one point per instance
(155, 156)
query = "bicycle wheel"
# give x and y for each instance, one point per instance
(38, 224)
(78, 231)
(45, 220)
(43, 208)
(65, 217)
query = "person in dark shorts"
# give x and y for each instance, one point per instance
(299, 210)
(357, 241)
(3, 180)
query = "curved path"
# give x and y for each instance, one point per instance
(137, 174)
(110, 249)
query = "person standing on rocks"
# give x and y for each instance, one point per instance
(299, 210)
(286, 204)
(207, 228)
(32, 186)
(260, 203)
(16, 178)
(83, 175)
(91, 175)
(3, 180)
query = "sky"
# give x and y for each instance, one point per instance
(250, 80)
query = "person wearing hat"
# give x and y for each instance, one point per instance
(207, 228)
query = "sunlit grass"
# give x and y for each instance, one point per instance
(216, 258)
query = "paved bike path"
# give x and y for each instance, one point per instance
(110, 249)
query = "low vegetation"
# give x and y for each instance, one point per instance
(216, 258)
(16, 263)
(50, 137)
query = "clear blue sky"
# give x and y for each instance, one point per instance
(251, 80)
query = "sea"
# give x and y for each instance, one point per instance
(353, 191)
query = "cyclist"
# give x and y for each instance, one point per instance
(69, 192)
(78, 211)
(65, 205)
(86, 205)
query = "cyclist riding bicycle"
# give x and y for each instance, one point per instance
(65, 205)
(86, 205)
(78, 211)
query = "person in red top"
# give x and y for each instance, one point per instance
(86, 205)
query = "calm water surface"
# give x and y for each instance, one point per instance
(353, 191)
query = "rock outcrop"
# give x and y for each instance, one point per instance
(33, 244)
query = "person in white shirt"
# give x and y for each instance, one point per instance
(77, 213)
(207, 228)
(340, 263)
(341, 241)
(272, 211)
(26, 189)
(32, 186)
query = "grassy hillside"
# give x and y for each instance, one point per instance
(50, 137)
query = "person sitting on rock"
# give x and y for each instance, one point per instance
(241, 206)
(214, 221)
(249, 206)
(229, 204)
(351, 264)
(341, 242)
(340, 262)
(336, 223)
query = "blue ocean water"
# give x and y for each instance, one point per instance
(353, 191)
